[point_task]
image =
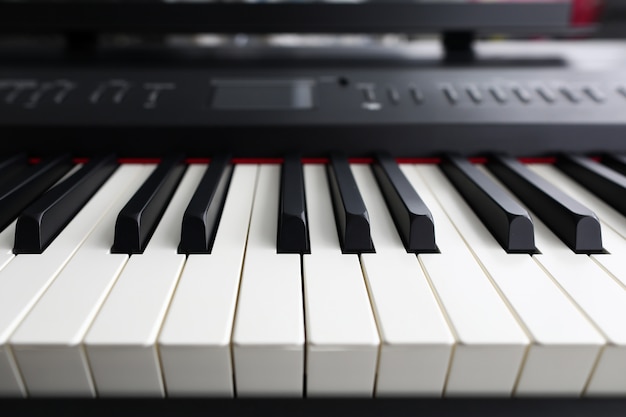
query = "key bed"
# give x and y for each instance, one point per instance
(247, 320)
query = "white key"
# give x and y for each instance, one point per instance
(25, 279)
(565, 345)
(342, 338)
(416, 343)
(195, 340)
(7, 237)
(491, 345)
(47, 344)
(9, 384)
(121, 344)
(599, 296)
(614, 226)
(268, 336)
(613, 261)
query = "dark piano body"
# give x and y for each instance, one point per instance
(260, 103)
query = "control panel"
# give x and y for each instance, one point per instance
(280, 93)
(265, 112)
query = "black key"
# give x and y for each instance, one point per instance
(43, 220)
(202, 215)
(293, 231)
(353, 223)
(138, 219)
(607, 184)
(12, 167)
(509, 223)
(413, 219)
(576, 225)
(12, 162)
(28, 184)
(616, 162)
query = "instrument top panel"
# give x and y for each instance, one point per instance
(359, 110)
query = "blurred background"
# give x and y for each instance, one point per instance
(613, 20)
(610, 25)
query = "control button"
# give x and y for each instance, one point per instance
(394, 95)
(522, 94)
(570, 94)
(417, 95)
(474, 93)
(498, 94)
(451, 94)
(368, 91)
(369, 97)
(369, 94)
(595, 94)
(547, 94)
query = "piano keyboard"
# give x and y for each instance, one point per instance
(317, 279)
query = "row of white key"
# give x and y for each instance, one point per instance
(246, 321)
(25, 278)
(563, 345)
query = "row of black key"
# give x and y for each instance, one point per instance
(577, 226)
(43, 216)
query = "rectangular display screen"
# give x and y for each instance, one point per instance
(262, 94)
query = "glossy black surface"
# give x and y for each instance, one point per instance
(413, 219)
(12, 168)
(315, 407)
(10, 165)
(138, 219)
(353, 223)
(43, 220)
(20, 190)
(576, 225)
(293, 231)
(201, 218)
(342, 120)
(606, 183)
(616, 162)
(509, 223)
